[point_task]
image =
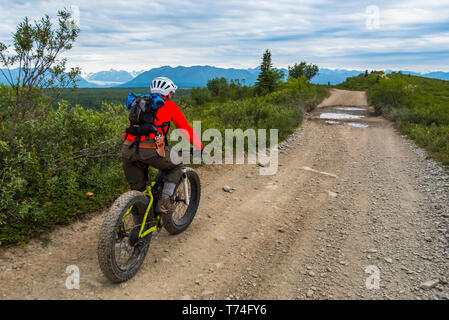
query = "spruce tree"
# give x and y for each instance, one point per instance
(268, 77)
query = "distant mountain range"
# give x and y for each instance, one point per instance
(111, 77)
(435, 75)
(14, 73)
(197, 76)
(102, 79)
(333, 77)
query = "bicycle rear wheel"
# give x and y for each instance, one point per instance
(183, 215)
(120, 251)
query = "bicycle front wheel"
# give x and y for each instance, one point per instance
(120, 251)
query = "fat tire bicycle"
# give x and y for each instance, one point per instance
(132, 220)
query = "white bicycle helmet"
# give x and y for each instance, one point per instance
(163, 86)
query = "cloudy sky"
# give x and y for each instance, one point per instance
(139, 35)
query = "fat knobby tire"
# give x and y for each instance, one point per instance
(106, 244)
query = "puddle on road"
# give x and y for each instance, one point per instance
(350, 124)
(350, 109)
(337, 116)
(357, 125)
(332, 122)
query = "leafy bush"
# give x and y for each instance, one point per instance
(303, 70)
(420, 107)
(363, 81)
(435, 139)
(50, 160)
(34, 61)
(218, 90)
(200, 96)
(388, 94)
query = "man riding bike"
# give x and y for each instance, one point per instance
(140, 151)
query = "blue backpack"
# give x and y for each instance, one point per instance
(157, 100)
(142, 113)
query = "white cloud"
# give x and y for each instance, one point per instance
(143, 34)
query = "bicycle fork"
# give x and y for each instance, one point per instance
(186, 189)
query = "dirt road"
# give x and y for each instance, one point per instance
(350, 196)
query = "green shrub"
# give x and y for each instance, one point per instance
(50, 160)
(363, 81)
(419, 106)
(219, 90)
(200, 96)
(388, 94)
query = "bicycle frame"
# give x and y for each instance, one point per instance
(149, 194)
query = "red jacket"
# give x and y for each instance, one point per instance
(171, 112)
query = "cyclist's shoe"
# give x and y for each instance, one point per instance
(165, 206)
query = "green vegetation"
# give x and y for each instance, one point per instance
(362, 82)
(419, 106)
(218, 90)
(303, 70)
(50, 159)
(268, 78)
(36, 51)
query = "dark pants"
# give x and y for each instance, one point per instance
(136, 173)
